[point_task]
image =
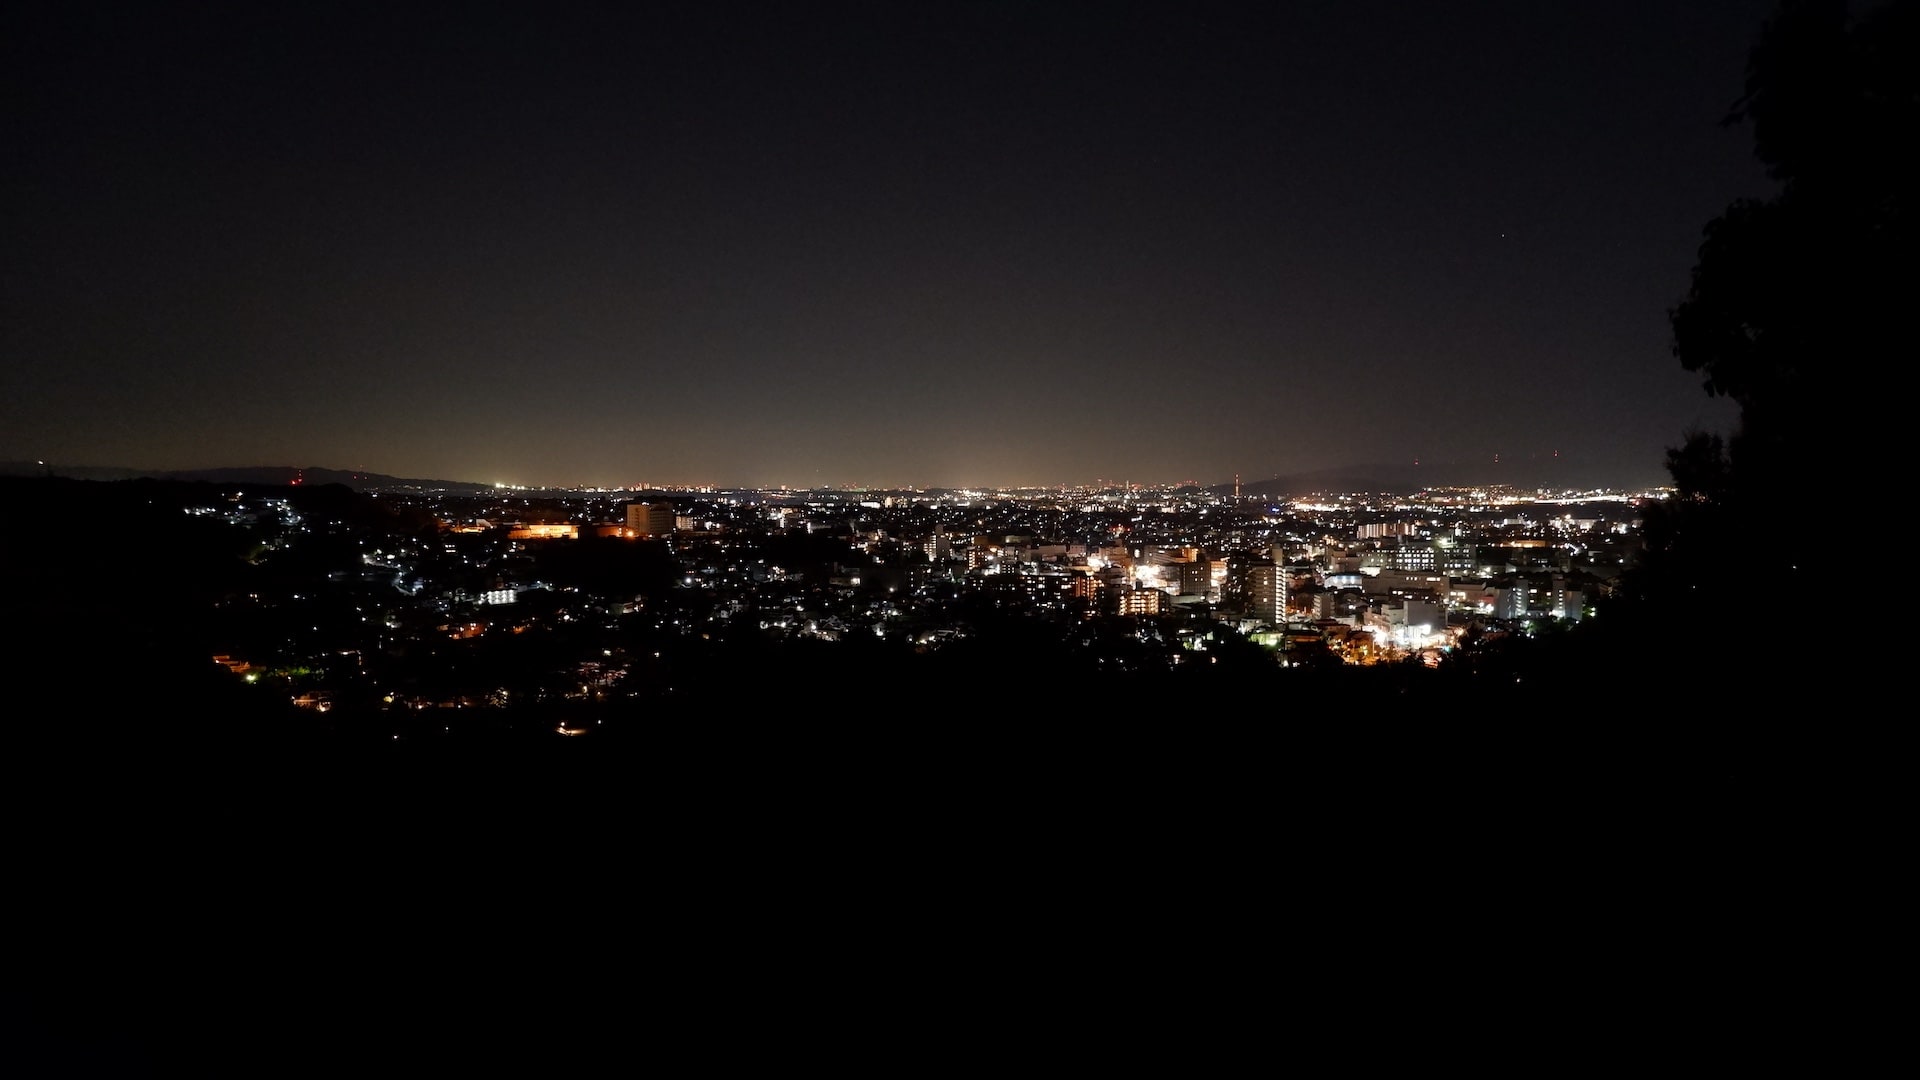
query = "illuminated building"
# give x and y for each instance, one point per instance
(1195, 576)
(939, 547)
(1267, 588)
(650, 519)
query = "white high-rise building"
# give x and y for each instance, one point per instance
(1267, 588)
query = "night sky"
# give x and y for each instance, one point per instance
(881, 245)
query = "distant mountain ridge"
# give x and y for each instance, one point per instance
(253, 474)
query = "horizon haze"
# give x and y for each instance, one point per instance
(854, 245)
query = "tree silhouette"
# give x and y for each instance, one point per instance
(1795, 297)
(1797, 313)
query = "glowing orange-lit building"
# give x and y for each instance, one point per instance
(544, 532)
(648, 519)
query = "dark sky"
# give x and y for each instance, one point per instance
(892, 244)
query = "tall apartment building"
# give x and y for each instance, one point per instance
(650, 519)
(1267, 589)
(1195, 576)
(938, 546)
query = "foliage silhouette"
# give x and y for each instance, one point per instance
(1796, 307)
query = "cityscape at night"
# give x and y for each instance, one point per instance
(802, 512)
(1317, 343)
(412, 613)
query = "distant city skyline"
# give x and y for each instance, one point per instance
(855, 246)
(1547, 477)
